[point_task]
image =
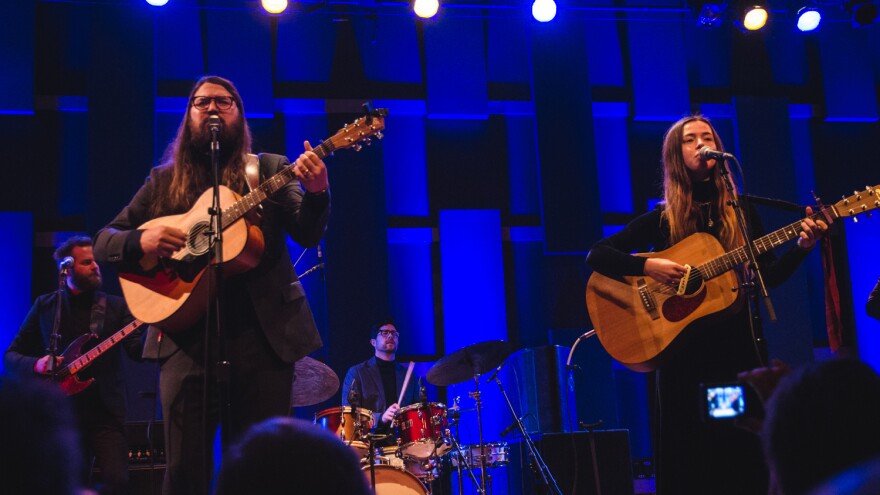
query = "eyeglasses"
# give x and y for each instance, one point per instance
(203, 102)
(388, 333)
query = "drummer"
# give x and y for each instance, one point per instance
(376, 383)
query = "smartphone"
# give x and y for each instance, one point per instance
(725, 401)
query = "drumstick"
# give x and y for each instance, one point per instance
(406, 381)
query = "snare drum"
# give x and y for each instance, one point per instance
(497, 455)
(393, 481)
(343, 422)
(422, 430)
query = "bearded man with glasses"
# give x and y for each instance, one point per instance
(266, 321)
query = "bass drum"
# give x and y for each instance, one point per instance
(393, 481)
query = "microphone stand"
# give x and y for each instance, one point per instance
(534, 456)
(214, 320)
(55, 336)
(752, 259)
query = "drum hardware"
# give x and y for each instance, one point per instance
(469, 362)
(350, 424)
(535, 459)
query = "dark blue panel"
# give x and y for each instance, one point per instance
(389, 48)
(612, 157)
(240, 49)
(406, 181)
(603, 47)
(787, 49)
(305, 48)
(73, 180)
(565, 137)
(17, 56)
(864, 271)
(659, 73)
(508, 49)
(848, 78)
(708, 59)
(15, 293)
(522, 165)
(411, 289)
(455, 51)
(179, 50)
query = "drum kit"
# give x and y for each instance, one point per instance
(425, 445)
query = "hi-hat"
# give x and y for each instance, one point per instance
(313, 382)
(467, 362)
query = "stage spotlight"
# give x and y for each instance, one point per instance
(755, 18)
(426, 8)
(274, 6)
(711, 15)
(863, 12)
(544, 10)
(157, 3)
(808, 19)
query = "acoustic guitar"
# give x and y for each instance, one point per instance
(169, 293)
(75, 361)
(637, 319)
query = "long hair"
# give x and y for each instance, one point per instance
(680, 212)
(189, 177)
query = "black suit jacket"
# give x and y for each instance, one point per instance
(277, 295)
(33, 338)
(367, 382)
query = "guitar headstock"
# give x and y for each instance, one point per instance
(859, 202)
(362, 130)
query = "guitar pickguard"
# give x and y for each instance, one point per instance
(677, 308)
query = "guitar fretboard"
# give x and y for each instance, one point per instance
(250, 200)
(722, 264)
(81, 362)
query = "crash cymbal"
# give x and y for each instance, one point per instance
(465, 363)
(313, 382)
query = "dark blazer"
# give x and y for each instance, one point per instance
(368, 383)
(33, 338)
(873, 305)
(277, 295)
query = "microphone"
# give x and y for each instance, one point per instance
(215, 123)
(494, 373)
(66, 263)
(510, 427)
(709, 154)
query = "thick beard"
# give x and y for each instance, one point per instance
(87, 283)
(230, 140)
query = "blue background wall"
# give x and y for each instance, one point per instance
(511, 147)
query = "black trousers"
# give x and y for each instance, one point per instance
(103, 438)
(259, 388)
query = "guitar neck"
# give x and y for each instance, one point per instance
(250, 200)
(722, 264)
(86, 359)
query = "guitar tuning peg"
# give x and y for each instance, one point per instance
(855, 219)
(357, 147)
(368, 142)
(379, 135)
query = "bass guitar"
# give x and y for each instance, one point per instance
(637, 319)
(168, 293)
(76, 361)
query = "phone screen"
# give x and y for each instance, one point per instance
(725, 402)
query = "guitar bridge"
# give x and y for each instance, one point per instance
(647, 299)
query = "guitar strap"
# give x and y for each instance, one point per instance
(252, 172)
(99, 311)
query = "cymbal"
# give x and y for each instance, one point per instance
(313, 382)
(465, 363)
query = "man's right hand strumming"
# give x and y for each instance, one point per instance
(162, 241)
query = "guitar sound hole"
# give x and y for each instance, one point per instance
(197, 241)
